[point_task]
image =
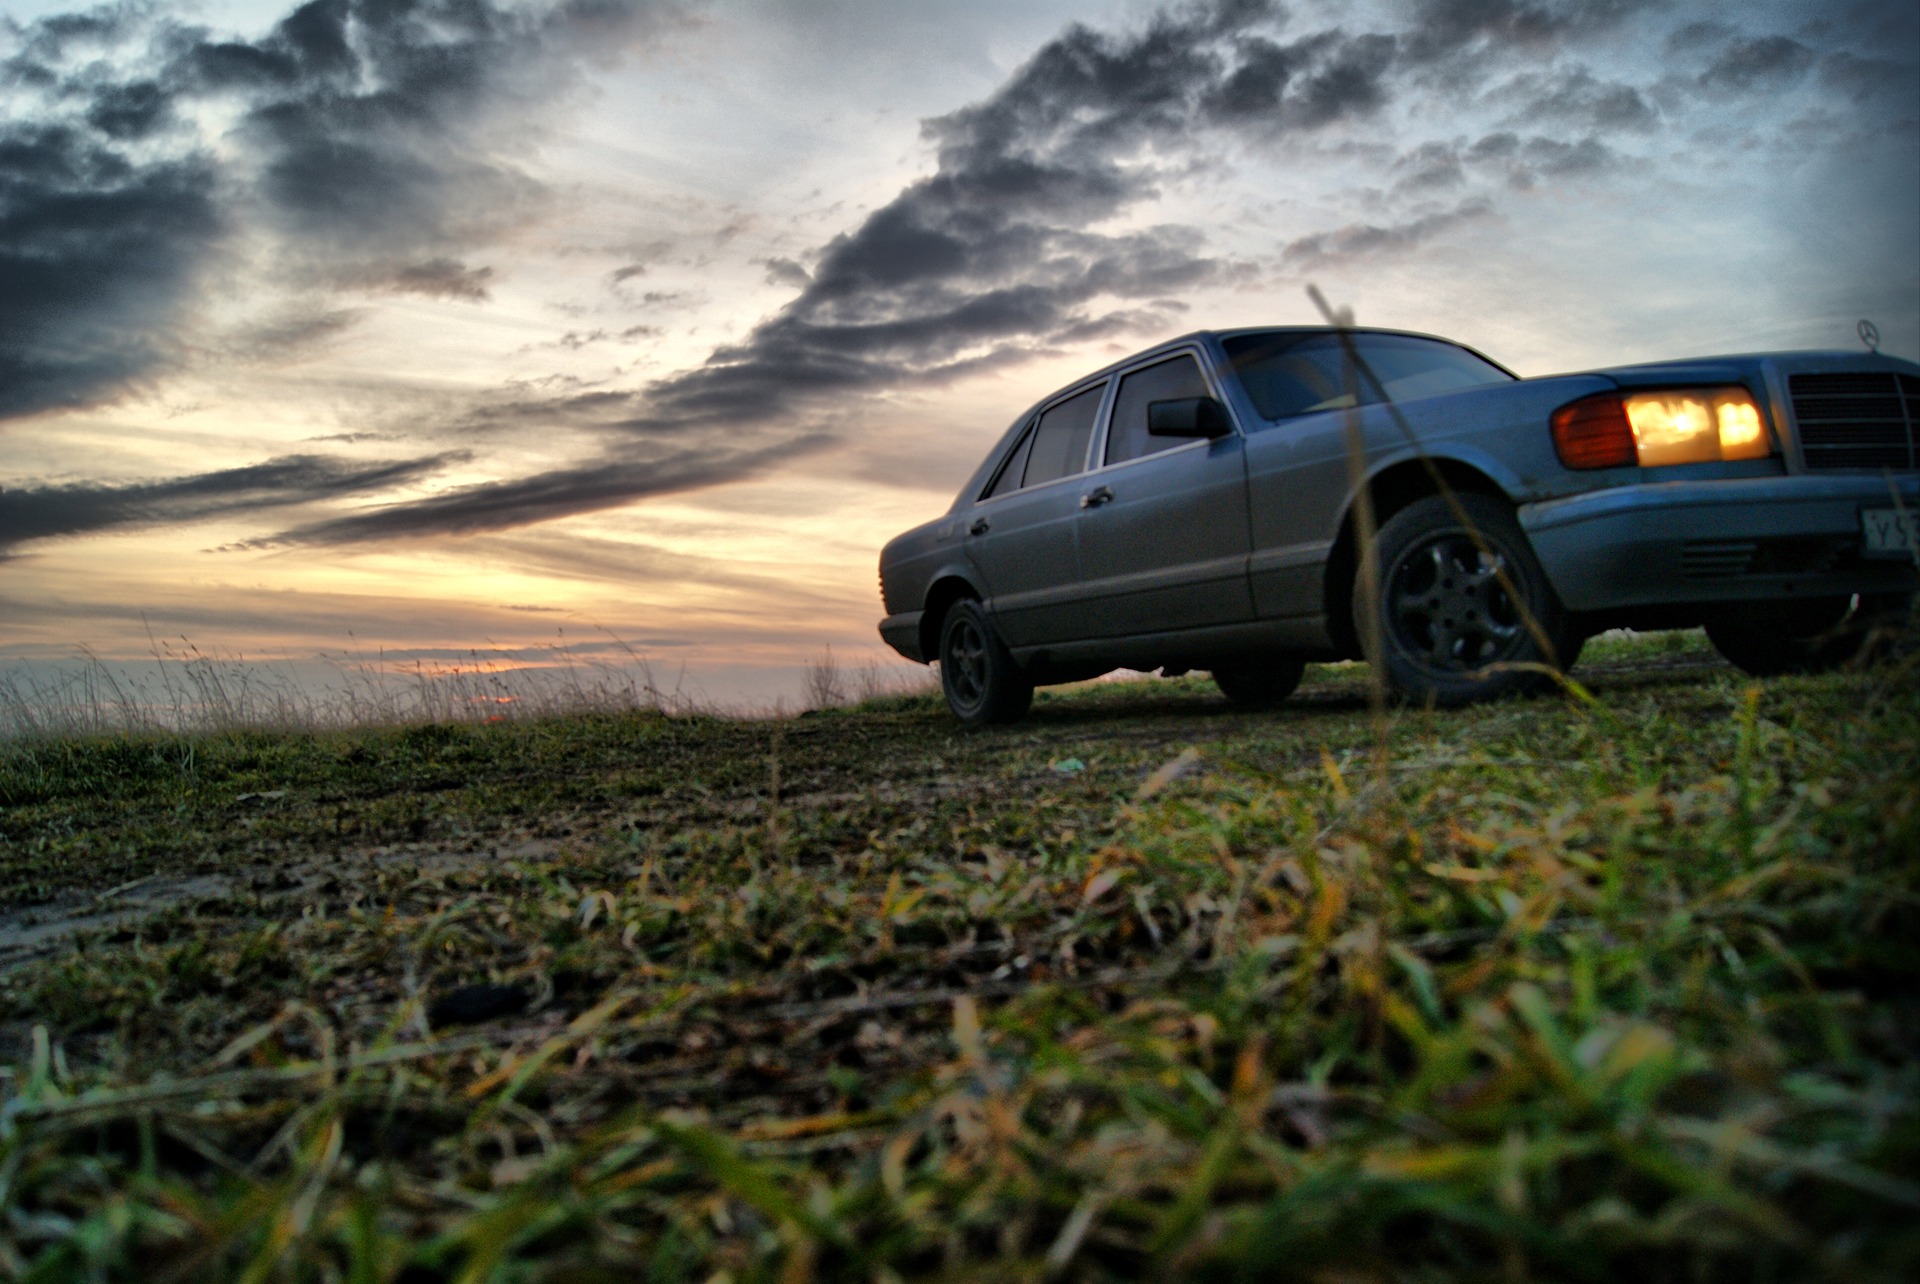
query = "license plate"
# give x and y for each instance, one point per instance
(1889, 532)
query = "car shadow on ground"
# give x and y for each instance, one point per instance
(1139, 700)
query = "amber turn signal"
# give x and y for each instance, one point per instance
(1593, 432)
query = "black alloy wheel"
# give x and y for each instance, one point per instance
(1461, 601)
(1769, 638)
(982, 681)
(1261, 684)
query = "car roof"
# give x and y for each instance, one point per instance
(1202, 336)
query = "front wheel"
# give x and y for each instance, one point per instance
(982, 681)
(1260, 685)
(1466, 612)
(1770, 638)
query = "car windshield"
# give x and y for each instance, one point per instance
(1293, 372)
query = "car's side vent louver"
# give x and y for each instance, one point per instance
(1857, 420)
(1715, 559)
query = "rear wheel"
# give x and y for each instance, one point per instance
(982, 681)
(1465, 609)
(1261, 684)
(1769, 638)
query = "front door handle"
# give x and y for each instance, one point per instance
(1097, 496)
(980, 526)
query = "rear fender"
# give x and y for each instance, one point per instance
(952, 582)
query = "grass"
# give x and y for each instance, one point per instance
(1620, 987)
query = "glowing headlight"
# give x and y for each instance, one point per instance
(1696, 426)
(1679, 426)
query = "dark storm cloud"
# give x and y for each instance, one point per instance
(129, 111)
(1312, 82)
(99, 254)
(1524, 162)
(1576, 97)
(1866, 79)
(996, 248)
(375, 137)
(1446, 28)
(784, 271)
(1866, 52)
(1765, 63)
(559, 492)
(1519, 162)
(440, 278)
(1429, 166)
(384, 130)
(1691, 37)
(294, 333)
(47, 511)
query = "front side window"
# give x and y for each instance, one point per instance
(1289, 373)
(1174, 380)
(1060, 438)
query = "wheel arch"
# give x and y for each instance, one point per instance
(941, 595)
(1393, 486)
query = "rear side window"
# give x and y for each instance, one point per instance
(1174, 380)
(1060, 438)
(1008, 478)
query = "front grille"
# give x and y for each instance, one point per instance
(1857, 420)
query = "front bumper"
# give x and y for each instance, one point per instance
(1721, 540)
(902, 633)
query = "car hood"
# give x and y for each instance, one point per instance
(1735, 369)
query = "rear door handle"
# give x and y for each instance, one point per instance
(1097, 496)
(980, 526)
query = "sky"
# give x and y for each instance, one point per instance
(425, 326)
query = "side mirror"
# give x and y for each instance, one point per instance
(1188, 417)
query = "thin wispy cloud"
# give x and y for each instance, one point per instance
(545, 496)
(42, 512)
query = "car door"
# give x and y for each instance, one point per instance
(1297, 469)
(1021, 536)
(1163, 528)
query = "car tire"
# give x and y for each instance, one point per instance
(1450, 629)
(1261, 684)
(982, 681)
(1767, 639)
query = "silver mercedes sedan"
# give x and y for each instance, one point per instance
(1246, 501)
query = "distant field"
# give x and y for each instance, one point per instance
(1620, 985)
